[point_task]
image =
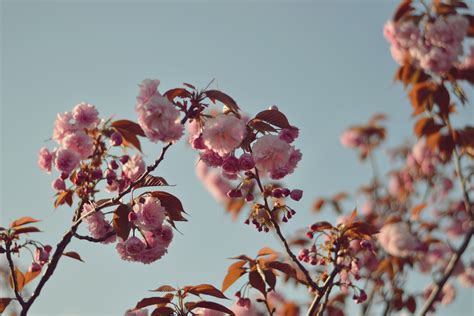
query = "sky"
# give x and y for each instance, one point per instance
(323, 63)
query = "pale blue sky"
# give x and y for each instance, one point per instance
(324, 63)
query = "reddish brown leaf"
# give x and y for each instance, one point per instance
(177, 92)
(266, 251)
(205, 289)
(470, 31)
(421, 96)
(128, 126)
(23, 221)
(120, 221)
(163, 311)
(151, 181)
(283, 267)
(321, 226)
(151, 301)
(223, 98)
(234, 272)
(26, 230)
(261, 126)
(64, 197)
(318, 204)
(130, 139)
(441, 97)
(274, 117)
(270, 278)
(213, 306)
(4, 301)
(256, 281)
(165, 288)
(31, 275)
(404, 8)
(172, 205)
(73, 255)
(426, 126)
(20, 280)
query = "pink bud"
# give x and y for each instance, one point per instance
(198, 143)
(246, 162)
(35, 267)
(249, 197)
(234, 194)
(124, 159)
(296, 194)
(231, 165)
(97, 174)
(132, 216)
(273, 107)
(116, 139)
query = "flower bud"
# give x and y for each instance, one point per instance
(296, 194)
(59, 185)
(116, 139)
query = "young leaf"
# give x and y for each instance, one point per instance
(270, 278)
(23, 221)
(4, 301)
(177, 92)
(165, 288)
(206, 289)
(172, 205)
(64, 197)
(283, 267)
(128, 126)
(151, 301)
(120, 221)
(26, 230)
(265, 252)
(73, 255)
(20, 280)
(213, 306)
(274, 117)
(31, 275)
(234, 272)
(223, 98)
(256, 281)
(152, 181)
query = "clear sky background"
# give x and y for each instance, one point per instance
(324, 63)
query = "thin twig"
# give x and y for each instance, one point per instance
(275, 224)
(92, 239)
(13, 273)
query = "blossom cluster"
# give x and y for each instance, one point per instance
(147, 218)
(434, 44)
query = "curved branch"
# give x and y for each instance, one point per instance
(11, 265)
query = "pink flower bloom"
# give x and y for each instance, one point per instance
(424, 158)
(58, 185)
(402, 36)
(66, 160)
(295, 157)
(397, 240)
(165, 235)
(246, 162)
(148, 88)
(134, 167)
(80, 143)
(98, 226)
(85, 115)
(211, 158)
(214, 182)
(159, 119)
(45, 159)
(231, 165)
(289, 134)
(224, 133)
(352, 138)
(63, 126)
(150, 214)
(131, 249)
(41, 256)
(272, 155)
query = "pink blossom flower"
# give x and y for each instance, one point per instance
(85, 115)
(246, 162)
(80, 143)
(231, 165)
(58, 185)
(397, 240)
(63, 126)
(148, 88)
(289, 134)
(130, 249)
(402, 36)
(271, 154)
(211, 158)
(159, 119)
(214, 182)
(45, 159)
(165, 235)
(66, 160)
(98, 226)
(150, 214)
(224, 133)
(134, 167)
